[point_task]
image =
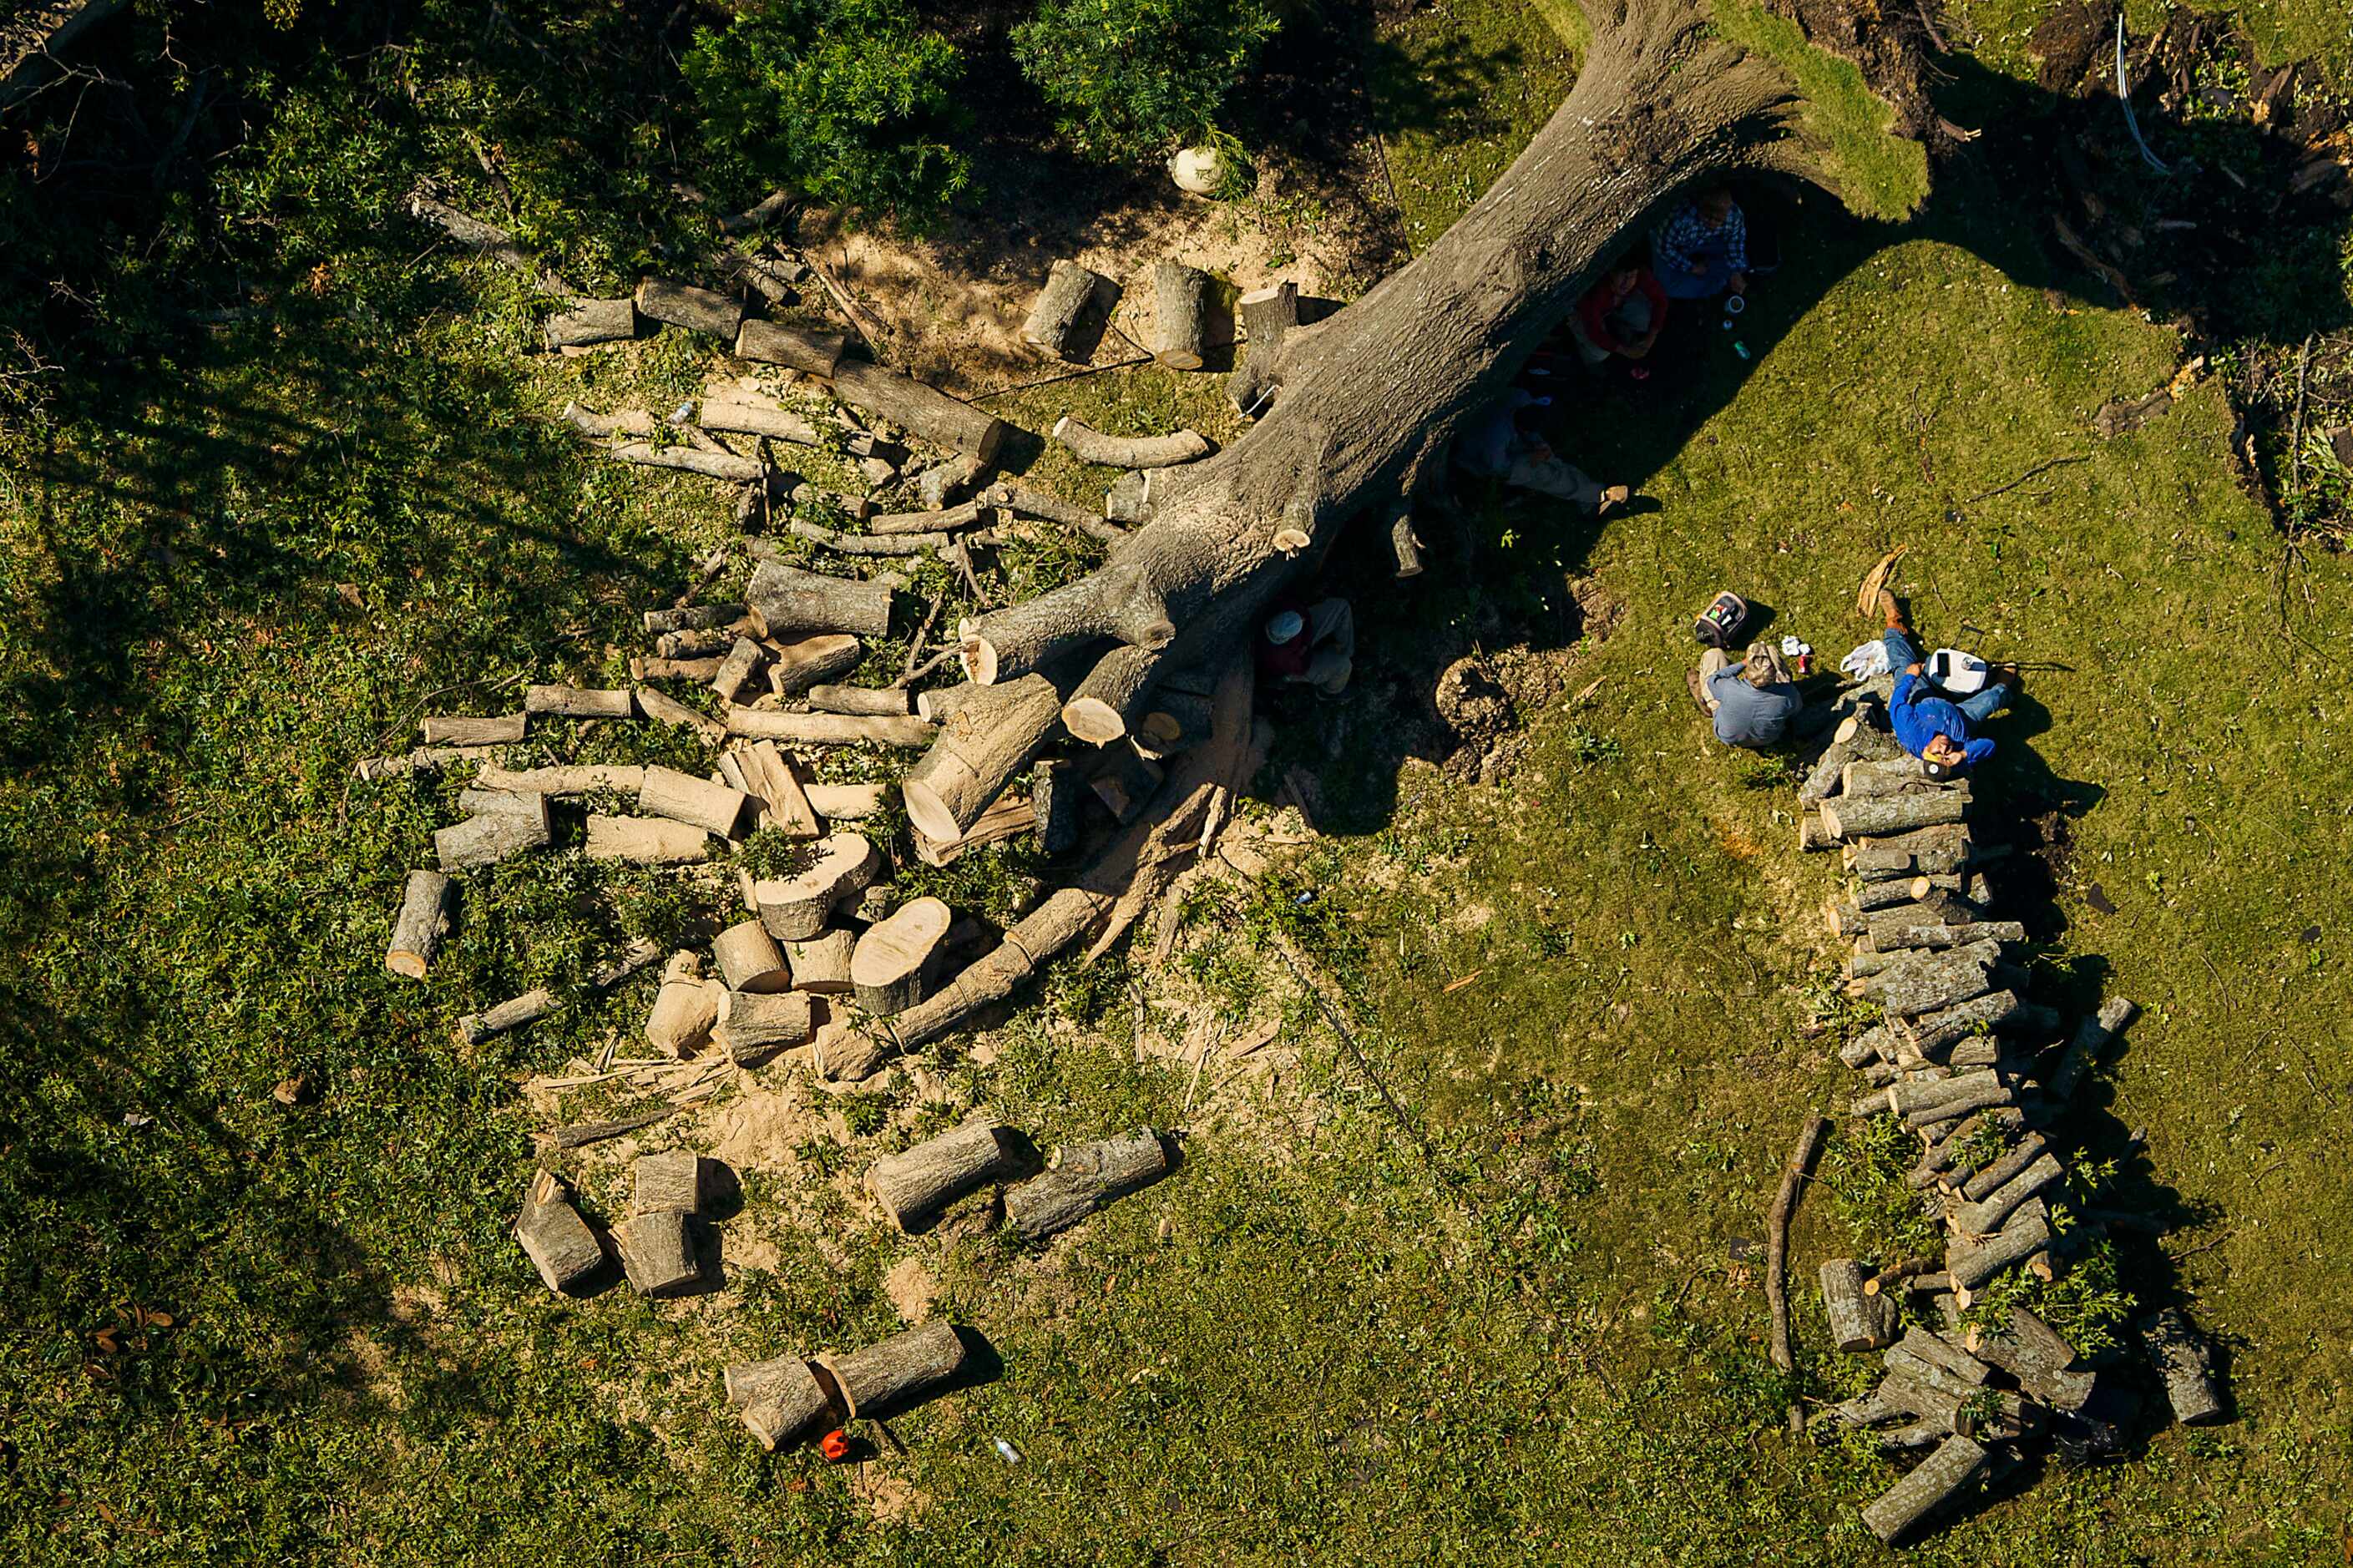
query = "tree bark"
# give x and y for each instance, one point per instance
(1092, 446)
(427, 903)
(658, 1253)
(1901, 930)
(493, 834)
(753, 1026)
(553, 1234)
(900, 1373)
(917, 1185)
(1083, 1178)
(1070, 295)
(778, 800)
(873, 702)
(1926, 982)
(647, 841)
(2044, 1364)
(821, 964)
(579, 702)
(926, 411)
(1936, 1481)
(684, 305)
(1864, 779)
(2027, 1232)
(1935, 851)
(561, 784)
(593, 322)
(1028, 502)
(803, 349)
(830, 728)
(1851, 820)
(786, 599)
(1054, 802)
(693, 619)
(1986, 1216)
(888, 969)
(987, 735)
(781, 1400)
(745, 418)
(1777, 1246)
(667, 1182)
(1180, 315)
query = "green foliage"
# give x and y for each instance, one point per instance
(1864, 1170)
(848, 101)
(1128, 78)
(864, 1115)
(1880, 175)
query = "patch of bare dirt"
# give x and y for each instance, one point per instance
(911, 1287)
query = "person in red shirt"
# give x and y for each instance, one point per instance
(1621, 315)
(1309, 644)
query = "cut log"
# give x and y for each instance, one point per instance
(694, 618)
(989, 733)
(863, 544)
(2027, 1232)
(1949, 1358)
(1858, 1322)
(1010, 816)
(1083, 1178)
(667, 1182)
(667, 710)
(813, 351)
(890, 967)
(1812, 835)
(1129, 500)
(1847, 820)
(1868, 779)
(1988, 1214)
(917, 1185)
(847, 803)
(830, 728)
(1919, 1091)
(1873, 896)
(781, 1401)
(684, 305)
(591, 322)
(706, 643)
(658, 1253)
(748, 959)
(1941, 850)
(1180, 315)
(553, 1234)
(424, 759)
(943, 484)
(698, 670)
(726, 466)
(923, 410)
(737, 670)
(1124, 781)
(1069, 298)
(1093, 445)
(533, 1005)
(2091, 1038)
(795, 666)
(455, 730)
(2044, 1364)
(1901, 930)
(2023, 1154)
(899, 1374)
(821, 964)
(869, 700)
(796, 907)
(1974, 1092)
(685, 1008)
(929, 523)
(579, 702)
(495, 836)
(561, 784)
(1024, 501)
(682, 798)
(1930, 1035)
(1936, 1482)
(1928, 981)
(647, 841)
(1054, 802)
(786, 599)
(1267, 316)
(428, 903)
(755, 1025)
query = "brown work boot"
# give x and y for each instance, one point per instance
(1615, 495)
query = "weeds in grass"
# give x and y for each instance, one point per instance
(1864, 1170)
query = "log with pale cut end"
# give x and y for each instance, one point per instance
(1093, 445)
(830, 728)
(797, 664)
(460, 730)
(561, 784)
(579, 702)
(781, 1401)
(1180, 315)
(667, 1182)
(1812, 835)
(593, 322)
(494, 835)
(1969, 1092)
(658, 1253)
(553, 1234)
(1987, 1215)
(1010, 816)
(724, 465)
(917, 1185)
(1071, 297)
(1267, 316)
(694, 669)
(943, 484)
(737, 670)
(667, 710)
(684, 305)
(1125, 782)
(1111, 700)
(812, 350)
(787, 599)
(1857, 1320)
(1851, 819)
(988, 735)
(796, 907)
(1928, 981)
(695, 617)
(1054, 800)
(2091, 1038)
(1952, 1358)
(684, 1009)
(749, 959)
(1941, 850)
(755, 1025)
(427, 902)
(1025, 502)
(1872, 897)
(533, 1005)
(821, 964)
(647, 841)
(867, 701)
(2027, 1233)
(1935, 1483)
(745, 418)
(892, 963)
(1901, 930)
(928, 524)
(1082, 1178)
(900, 1373)
(2023, 1154)
(923, 410)
(1930, 1034)
(682, 798)
(847, 803)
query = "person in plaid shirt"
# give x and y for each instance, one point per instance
(1703, 247)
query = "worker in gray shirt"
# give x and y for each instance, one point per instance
(1753, 702)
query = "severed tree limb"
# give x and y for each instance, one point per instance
(1776, 1248)
(866, 544)
(1093, 445)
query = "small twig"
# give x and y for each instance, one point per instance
(1054, 380)
(925, 668)
(915, 648)
(2041, 468)
(2295, 440)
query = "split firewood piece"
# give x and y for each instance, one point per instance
(737, 670)
(685, 1008)
(847, 803)
(943, 484)
(899, 1374)
(917, 1185)
(1859, 1321)
(458, 730)
(1093, 445)
(667, 710)
(923, 410)
(553, 1234)
(427, 903)
(579, 702)
(1071, 294)
(1180, 315)
(684, 305)
(787, 599)
(591, 322)
(821, 964)
(647, 841)
(1124, 781)
(813, 350)
(749, 959)
(1938, 1481)
(694, 617)
(795, 908)
(868, 701)
(755, 1025)
(888, 969)
(667, 1182)
(560, 784)
(1054, 802)
(989, 733)
(2090, 1040)
(796, 665)
(2027, 1233)
(2184, 1361)
(1986, 1217)
(695, 670)
(781, 1401)
(1008, 817)
(658, 1253)
(830, 728)
(1267, 316)
(503, 824)
(682, 798)
(1082, 1178)
(779, 799)
(533, 1005)
(1847, 819)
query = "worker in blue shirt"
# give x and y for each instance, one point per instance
(1928, 724)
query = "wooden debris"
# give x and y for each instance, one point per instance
(755, 1025)
(685, 1008)
(533, 1005)
(1776, 1244)
(900, 1373)
(1935, 1482)
(1093, 445)
(667, 1182)
(458, 730)
(667, 710)
(781, 1401)
(888, 970)
(1054, 801)
(553, 1234)
(943, 484)
(786, 599)
(830, 728)
(561, 784)
(697, 617)
(1008, 817)
(1124, 781)
(985, 734)
(821, 964)
(577, 703)
(1072, 294)
(695, 670)
(866, 700)
(923, 410)
(684, 305)
(647, 841)
(424, 759)
(816, 351)
(917, 1185)
(2027, 1233)
(427, 901)
(682, 798)
(1083, 1178)
(1180, 312)
(658, 1253)
(592, 321)
(1267, 316)
(796, 907)
(737, 670)
(583, 1134)
(512, 823)
(797, 664)
(779, 800)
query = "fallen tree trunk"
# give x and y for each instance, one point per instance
(1092, 446)
(1083, 1178)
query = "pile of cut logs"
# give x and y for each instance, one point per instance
(1964, 1059)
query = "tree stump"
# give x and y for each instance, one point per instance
(787, 599)
(900, 1373)
(647, 841)
(781, 1400)
(890, 967)
(682, 798)
(684, 305)
(1083, 1178)
(917, 1185)
(658, 1253)
(777, 342)
(1070, 295)
(553, 1234)
(821, 964)
(578, 702)
(667, 1182)
(427, 902)
(748, 959)
(796, 907)
(1180, 315)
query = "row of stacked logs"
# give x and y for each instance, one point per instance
(1966, 1061)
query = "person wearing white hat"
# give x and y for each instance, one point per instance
(1311, 645)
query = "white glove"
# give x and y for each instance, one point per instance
(1865, 661)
